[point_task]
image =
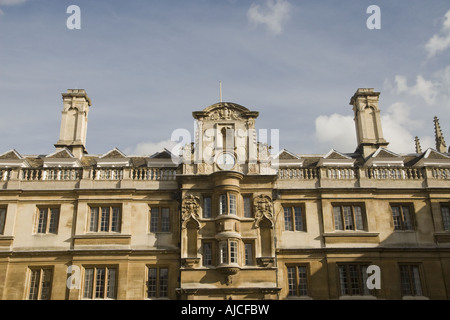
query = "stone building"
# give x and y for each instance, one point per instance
(226, 218)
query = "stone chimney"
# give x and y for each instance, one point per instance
(369, 134)
(74, 121)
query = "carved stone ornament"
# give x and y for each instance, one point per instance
(224, 113)
(263, 209)
(189, 209)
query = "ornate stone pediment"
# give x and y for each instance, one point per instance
(189, 209)
(225, 111)
(263, 209)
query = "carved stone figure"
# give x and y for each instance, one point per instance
(189, 209)
(263, 209)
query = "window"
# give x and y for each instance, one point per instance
(445, 210)
(228, 251)
(159, 219)
(40, 284)
(105, 219)
(100, 283)
(47, 221)
(353, 279)
(2, 220)
(294, 219)
(247, 206)
(410, 280)
(207, 207)
(157, 282)
(227, 204)
(348, 217)
(297, 281)
(207, 254)
(249, 260)
(402, 217)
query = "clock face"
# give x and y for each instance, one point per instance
(226, 161)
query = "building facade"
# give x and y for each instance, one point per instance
(226, 218)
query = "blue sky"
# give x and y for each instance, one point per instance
(146, 65)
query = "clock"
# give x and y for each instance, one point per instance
(225, 161)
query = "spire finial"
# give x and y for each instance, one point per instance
(418, 147)
(440, 142)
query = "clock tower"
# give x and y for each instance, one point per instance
(226, 140)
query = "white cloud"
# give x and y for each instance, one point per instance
(426, 89)
(149, 148)
(337, 131)
(396, 123)
(273, 15)
(438, 42)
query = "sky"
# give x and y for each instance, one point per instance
(147, 65)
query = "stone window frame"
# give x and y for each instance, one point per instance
(95, 282)
(401, 206)
(342, 222)
(159, 294)
(40, 272)
(50, 220)
(111, 228)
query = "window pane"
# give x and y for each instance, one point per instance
(364, 276)
(104, 224)
(292, 282)
(2, 220)
(223, 250)
(298, 219)
(232, 204)
(54, 217)
(354, 279)
(248, 254)
(165, 220)
(416, 280)
(397, 218)
(348, 218)
(42, 223)
(88, 283)
(338, 218)
(111, 287)
(343, 280)
(46, 284)
(233, 252)
(445, 217)
(223, 204)
(100, 283)
(115, 223)
(163, 282)
(287, 219)
(207, 207)
(207, 254)
(407, 219)
(405, 281)
(302, 281)
(93, 225)
(151, 284)
(358, 218)
(154, 217)
(247, 207)
(34, 284)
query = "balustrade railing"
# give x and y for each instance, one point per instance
(342, 173)
(389, 173)
(441, 173)
(53, 174)
(154, 174)
(107, 174)
(298, 173)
